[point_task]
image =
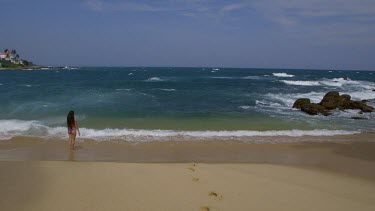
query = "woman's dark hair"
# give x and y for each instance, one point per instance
(70, 119)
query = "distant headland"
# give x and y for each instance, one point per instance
(10, 59)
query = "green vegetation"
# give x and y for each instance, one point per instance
(8, 64)
(27, 63)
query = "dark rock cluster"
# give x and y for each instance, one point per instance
(332, 100)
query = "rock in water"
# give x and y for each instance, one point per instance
(367, 108)
(301, 102)
(330, 101)
(345, 97)
(359, 105)
(315, 109)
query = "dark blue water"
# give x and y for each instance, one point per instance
(140, 100)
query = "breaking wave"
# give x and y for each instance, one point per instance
(283, 75)
(335, 82)
(14, 128)
(154, 79)
(302, 83)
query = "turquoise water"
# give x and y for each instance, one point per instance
(163, 102)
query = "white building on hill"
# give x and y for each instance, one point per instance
(6, 56)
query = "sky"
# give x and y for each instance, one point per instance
(306, 34)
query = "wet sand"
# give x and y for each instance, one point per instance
(352, 155)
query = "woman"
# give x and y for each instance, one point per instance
(72, 128)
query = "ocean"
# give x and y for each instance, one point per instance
(139, 104)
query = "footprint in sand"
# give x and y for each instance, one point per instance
(215, 195)
(191, 169)
(195, 179)
(205, 208)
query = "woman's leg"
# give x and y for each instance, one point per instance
(71, 143)
(73, 139)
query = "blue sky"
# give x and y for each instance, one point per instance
(317, 34)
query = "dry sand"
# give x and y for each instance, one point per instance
(64, 185)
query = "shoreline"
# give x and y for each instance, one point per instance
(37, 67)
(23, 68)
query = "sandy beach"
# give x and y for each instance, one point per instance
(204, 175)
(59, 185)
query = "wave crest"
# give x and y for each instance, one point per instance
(283, 75)
(153, 79)
(13, 128)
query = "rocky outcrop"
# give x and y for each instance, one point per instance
(331, 100)
(301, 102)
(314, 109)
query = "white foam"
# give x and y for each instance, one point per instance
(335, 82)
(91, 133)
(16, 125)
(348, 114)
(130, 74)
(251, 77)
(343, 81)
(283, 75)
(362, 95)
(288, 99)
(13, 128)
(245, 107)
(123, 89)
(154, 79)
(302, 83)
(168, 90)
(215, 69)
(266, 103)
(1, 84)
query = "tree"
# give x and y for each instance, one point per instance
(17, 56)
(13, 52)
